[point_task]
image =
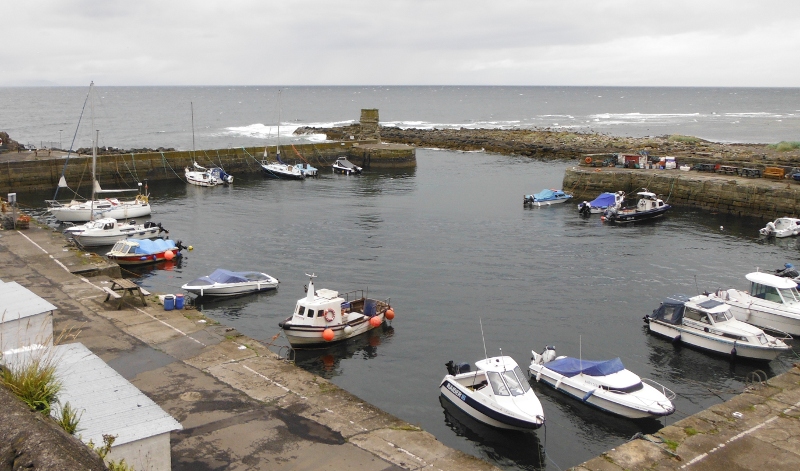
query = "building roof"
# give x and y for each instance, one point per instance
(18, 302)
(109, 403)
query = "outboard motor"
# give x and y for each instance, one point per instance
(457, 368)
(585, 209)
(549, 354)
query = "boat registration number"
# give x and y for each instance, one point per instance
(455, 391)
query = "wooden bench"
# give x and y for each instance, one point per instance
(773, 172)
(144, 291)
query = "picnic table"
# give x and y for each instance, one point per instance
(728, 169)
(120, 287)
(750, 172)
(705, 167)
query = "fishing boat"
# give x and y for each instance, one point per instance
(139, 252)
(324, 316)
(342, 165)
(223, 282)
(546, 198)
(781, 227)
(82, 211)
(773, 303)
(707, 323)
(606, 385)
(497, 393)
(650, 206)
(107, 231)
(601, 203)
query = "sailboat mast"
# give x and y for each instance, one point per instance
(278, 147)
(194, 156)
(94, 151)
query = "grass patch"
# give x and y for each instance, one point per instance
(407, 428)
(102, 451)
(671, 444)
(68, 418)
(684, 139)
(691, 431)
(33, 381)
(785, 146)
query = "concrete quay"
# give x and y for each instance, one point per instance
(757, 430)
(241, 406)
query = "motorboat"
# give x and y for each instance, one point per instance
(202, 176)
(223, 282)
(601, 203)
(781, 227)
(324, 316)
(342, 165)
(97, 206)
(282, 170)
(706, 322)
(649, 206)
(546, 198)
(107, 231)
(497, 393)
(773, 303)
(139, 252)
(606, 385)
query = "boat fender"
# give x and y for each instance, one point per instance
(588, 395)
(558, 383)
(677, 339)
(733, 350)
(538, 375)
(329, 315)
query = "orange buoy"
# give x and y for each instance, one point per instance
(389, 313)
(169, 255)
(375, 321)
(327, 335)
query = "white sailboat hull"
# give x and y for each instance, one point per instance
(82, 212)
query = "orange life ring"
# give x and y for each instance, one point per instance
(330, 315)
(588, 160)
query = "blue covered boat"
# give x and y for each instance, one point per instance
(601, 203)
(606, 385)
(138, 252)
(223, 282)
(546, 198)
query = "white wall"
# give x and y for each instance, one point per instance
(31, 330)
(148, 454)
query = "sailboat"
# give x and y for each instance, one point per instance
(201, 176)
(82, 211)
(280, 169)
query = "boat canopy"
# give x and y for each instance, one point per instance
(671, 310)
(221, 275)
(604, 200)
(570, 367)
(546, 195)
(149, 247)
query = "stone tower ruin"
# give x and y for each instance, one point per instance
(369, 126)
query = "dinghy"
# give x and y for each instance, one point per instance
(606, 385)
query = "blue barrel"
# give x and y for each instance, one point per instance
(169, 302)
(179, 301)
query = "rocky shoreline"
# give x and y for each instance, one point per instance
(563, 145)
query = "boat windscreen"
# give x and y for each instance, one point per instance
(790, 295)
(570, 367)
(498, 386)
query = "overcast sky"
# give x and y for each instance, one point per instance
(403, 42)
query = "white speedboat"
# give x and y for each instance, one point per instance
(781, 227)
(606, 385)
(231, 283)
(325, 316)
(707, 323)
(107, 231)
(202, 176)
(772, 303)
(342, 165)
(546, 198)
(497, 393)
(601, 203)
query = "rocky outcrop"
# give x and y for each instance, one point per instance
(8, 144)
(30, 441)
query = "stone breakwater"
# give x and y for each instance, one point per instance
(564, 145)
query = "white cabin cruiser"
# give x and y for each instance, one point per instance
(782, 227)
(202, 176)
(773, 303)
(108, 231)
(708, 323)
(223, 282)
(497, 393)
(323, 316)
(606, 385)
(342, 165)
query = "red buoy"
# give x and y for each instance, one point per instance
(327, 335)
(389, 314)
(375, 321)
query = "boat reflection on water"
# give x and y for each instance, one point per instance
(504, 448)
(325, 361)
(230, 307)
(146, 271)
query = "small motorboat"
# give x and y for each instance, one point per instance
(706, 322)
(231, 283)
(773, 303)
(781, 227)
(107, 231)
(307, 169)
(139, 252)
(601, 203)
(606, 385)
(324, 316)
(546, 198)
(202, 176)
(342, 165)
(497, 393)
(649, 206)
